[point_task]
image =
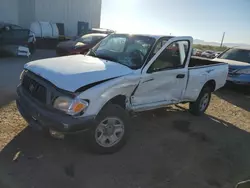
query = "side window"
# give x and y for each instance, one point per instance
(87, 39)
(172, 57)
(96, 39)
(159, 45)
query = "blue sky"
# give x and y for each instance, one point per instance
(202, 19)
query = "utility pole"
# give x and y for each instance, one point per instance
(222, 39)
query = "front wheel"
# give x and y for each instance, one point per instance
(201, 104)
(111, 131)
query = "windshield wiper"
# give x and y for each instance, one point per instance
(108, 58)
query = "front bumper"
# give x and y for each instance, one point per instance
(239, 79)
(42, 117)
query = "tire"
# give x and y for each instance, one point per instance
(195, 107)
(96, 136)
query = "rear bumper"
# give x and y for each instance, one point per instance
(40, 117)
(239, 79)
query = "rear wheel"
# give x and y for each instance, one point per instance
(111, 131)
(201, 104)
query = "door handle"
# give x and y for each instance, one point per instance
(149, 80)
(180, 76)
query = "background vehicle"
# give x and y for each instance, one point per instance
(207, 54)
(123, 73)
(12, 36)
(239, 65)
(80, 45)
(197, 52)
(215, 54)
(100, 30)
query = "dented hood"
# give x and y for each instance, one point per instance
(72, 72)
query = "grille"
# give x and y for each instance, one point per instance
(34, 88)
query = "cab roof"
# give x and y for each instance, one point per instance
(96, 34)
(148, 35)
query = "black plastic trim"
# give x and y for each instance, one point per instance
(84, 88)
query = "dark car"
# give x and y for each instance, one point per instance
(80, 45)
(12, 36)
(101, 30)
(238, 59)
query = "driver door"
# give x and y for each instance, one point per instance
(164, 78)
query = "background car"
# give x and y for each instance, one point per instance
(101, 30)
(239, 65)
(207, 54)
(215, 54)
(12, 36)
(79, 45)
(197, 52)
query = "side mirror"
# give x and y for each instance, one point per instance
(243, 184)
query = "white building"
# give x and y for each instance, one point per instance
(68, 12)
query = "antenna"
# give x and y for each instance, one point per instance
(222, 39)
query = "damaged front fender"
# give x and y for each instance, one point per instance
(100, 93)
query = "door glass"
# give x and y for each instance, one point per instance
(172, 57)
(159, 46)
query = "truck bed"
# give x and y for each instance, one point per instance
(197, 61)
(202, 71)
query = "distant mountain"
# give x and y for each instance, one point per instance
(198, 41)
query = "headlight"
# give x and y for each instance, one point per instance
(70, 106)
(21, 75)
(79, 44)
(243, 71)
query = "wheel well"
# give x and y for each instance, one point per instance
(119, 100)
(211, 84)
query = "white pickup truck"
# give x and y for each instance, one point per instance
(95, 93)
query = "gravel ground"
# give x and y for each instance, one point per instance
(168, 148)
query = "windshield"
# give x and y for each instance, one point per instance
(88, 39)
(242, 55)
(129, 50)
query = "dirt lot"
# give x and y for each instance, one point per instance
(168, 148)
(10, 69)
